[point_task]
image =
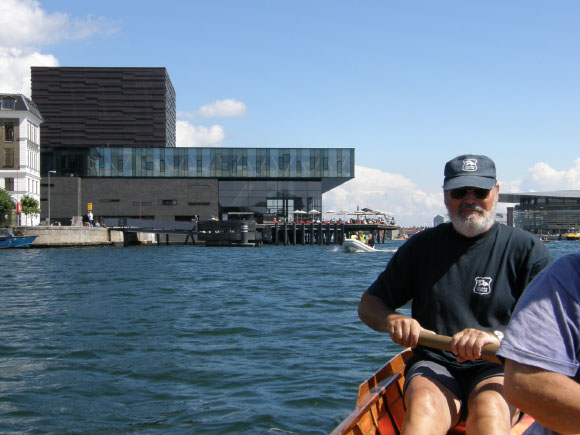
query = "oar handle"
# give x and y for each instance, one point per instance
(443, 342)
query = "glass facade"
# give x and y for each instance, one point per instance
(273, 198)
(278, 163)
(268, 182)
(548, 214)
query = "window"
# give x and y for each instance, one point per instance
(8, 103)
(198, 203)
(32, 132)
(142, 203)
(9, 184)
(8, 158)
(71, 164)
(167, 202)
(9, 132)
(108, 200)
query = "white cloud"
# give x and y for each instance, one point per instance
(25, 28)
(412, 205)
(23, 23)
(228, 108)
(542, 177)
(223, 108)
(189, 135)
(388, 192)
(15, 69)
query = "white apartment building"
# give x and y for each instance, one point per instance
(20, 150)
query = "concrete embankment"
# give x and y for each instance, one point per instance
(72, 236)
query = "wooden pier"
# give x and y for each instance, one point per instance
(248, 233)
(323, 233)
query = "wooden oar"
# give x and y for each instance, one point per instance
(443, 342)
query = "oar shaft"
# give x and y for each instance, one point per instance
(443, 342)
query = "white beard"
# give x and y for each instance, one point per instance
(475, 223)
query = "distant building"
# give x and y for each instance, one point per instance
(438, 220)
(501, 218)
(555, 212)
(20, 121)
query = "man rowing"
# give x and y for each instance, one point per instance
(464, 279)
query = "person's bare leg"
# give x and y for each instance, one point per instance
(489, 413)
(431, 408)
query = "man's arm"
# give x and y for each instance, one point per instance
(376, 314)
(551, 398)
(373, 312)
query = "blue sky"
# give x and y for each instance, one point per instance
(409, 85)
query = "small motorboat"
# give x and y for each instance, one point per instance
(353, 245)
(9, 240)
(380, 406)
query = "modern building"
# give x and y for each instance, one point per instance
(20, 121)
(556, 212)
(174, 184)
(108, 143)
(88, 107)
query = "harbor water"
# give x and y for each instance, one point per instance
(186, 339)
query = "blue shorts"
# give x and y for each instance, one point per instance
(460, 381)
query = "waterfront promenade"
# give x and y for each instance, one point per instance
(216, 233)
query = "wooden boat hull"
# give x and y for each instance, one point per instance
(380, 407)
(353, 245)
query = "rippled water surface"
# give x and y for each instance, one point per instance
(184, 339)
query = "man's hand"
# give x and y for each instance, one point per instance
(403, 330)
(468, 344)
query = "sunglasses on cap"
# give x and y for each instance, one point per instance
(462, 192)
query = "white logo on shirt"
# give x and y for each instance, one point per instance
(469, 165)
(482, 285)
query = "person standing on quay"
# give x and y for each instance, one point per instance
(542, 349)
(464, 279)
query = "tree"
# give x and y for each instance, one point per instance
(30, 206)
(6, 205)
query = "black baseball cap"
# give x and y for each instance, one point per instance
(469, 170)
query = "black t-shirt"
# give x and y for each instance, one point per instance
(456, 282)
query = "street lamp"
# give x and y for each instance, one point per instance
(49, 172)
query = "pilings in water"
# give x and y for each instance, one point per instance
(308, 234)
(319, 233)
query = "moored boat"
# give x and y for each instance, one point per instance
(353, 245)
(572, 236)
(380, 407)
(9, 240)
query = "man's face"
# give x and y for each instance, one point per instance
(471, 210)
